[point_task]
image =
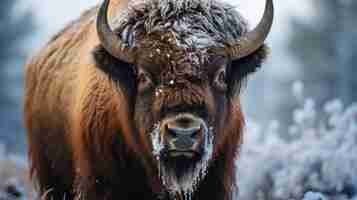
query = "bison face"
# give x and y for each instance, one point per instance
(181, 106)
(183, 87)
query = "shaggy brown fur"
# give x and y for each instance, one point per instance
(87, 122)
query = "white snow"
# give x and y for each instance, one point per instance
(298, 90)
(318, 156)
(314, 196)
(14, 183)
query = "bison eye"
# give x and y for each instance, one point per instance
(220, 80)
(144, 81)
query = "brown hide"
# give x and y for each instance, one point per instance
(80, 129)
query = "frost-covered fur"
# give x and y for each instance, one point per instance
(194, 23)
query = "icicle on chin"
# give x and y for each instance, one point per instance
(183, 187)
(157, 145)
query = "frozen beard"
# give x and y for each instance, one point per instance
(181, 176)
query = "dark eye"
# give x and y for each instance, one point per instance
(143, 79)
(220, 80)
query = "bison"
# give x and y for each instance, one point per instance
(140, 100)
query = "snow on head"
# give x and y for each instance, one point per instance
(193, 23)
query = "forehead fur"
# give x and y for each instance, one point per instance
(192, 23)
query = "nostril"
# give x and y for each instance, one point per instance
(195, 134)
(171, 132)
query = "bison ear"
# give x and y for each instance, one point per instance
(117, 69)
(243, 67)
(250, 64)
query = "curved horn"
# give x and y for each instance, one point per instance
(254, 39)
(111, 41)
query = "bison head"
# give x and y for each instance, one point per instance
(182, 63)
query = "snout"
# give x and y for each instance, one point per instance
(184, 135)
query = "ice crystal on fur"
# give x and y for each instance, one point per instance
(182, 186)
(185, 186)
(156, 141)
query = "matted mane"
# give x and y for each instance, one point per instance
(195, 23)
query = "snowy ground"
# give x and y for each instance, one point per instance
(315, 160)
(14, 182)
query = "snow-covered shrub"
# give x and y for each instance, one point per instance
(314, 196)
(315, 159)
(14, 182)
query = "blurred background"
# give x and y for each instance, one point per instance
(309, 79)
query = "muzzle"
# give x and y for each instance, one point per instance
(183, 135)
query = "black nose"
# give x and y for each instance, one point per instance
(183, 134)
